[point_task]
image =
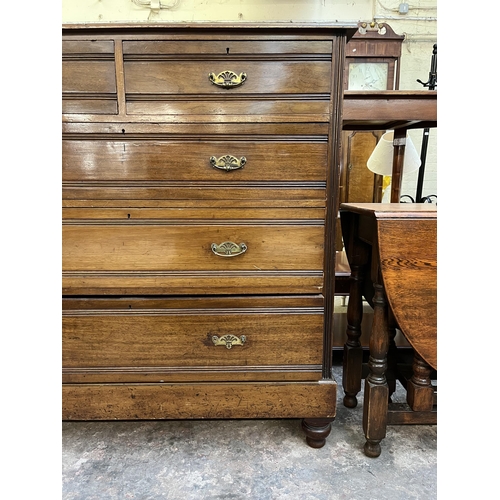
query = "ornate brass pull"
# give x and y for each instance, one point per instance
(227, 162)
(227, 79)
(229, 340)
(228, 249)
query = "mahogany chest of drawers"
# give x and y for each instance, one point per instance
(200, 176)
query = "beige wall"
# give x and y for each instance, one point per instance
(419, 26)
(215, 10)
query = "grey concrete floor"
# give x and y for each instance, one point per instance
(246, 459)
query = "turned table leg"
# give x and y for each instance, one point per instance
(317, 430)
(353, 352)
(376, 387)
(419, 392)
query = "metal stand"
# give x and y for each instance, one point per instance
(431, 84)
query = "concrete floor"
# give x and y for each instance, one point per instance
(246, 459)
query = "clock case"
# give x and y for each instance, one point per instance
(372, 43)
(375, 43)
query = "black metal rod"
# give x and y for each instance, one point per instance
(431, 84)
(421, 170)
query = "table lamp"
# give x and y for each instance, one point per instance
(382, 157)
(380, 161)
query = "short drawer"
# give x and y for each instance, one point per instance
(86, 48)
(201, 160)
(169, 339)
(88, 66)
(89, 77)
(92, 77)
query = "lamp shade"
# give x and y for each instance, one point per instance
(380, 161)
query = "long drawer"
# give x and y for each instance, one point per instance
(158, 246)
(168, 339)
(199, 160)
(192, 250)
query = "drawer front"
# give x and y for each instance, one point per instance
(202, 160)
(164, 78)
(86, 48)
(227, 48)
(177, 247)
(89, 77)
(88, 66)
(206, 337)
(182, 340)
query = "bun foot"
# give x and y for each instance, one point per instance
(372, 449)
(350, 401)
(316, 431)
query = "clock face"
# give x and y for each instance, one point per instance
(368, 76)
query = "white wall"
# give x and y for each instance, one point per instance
(419, 26)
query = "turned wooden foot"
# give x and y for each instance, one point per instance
(372, 448)
(352, 369)
(350, 401)
(317, 430)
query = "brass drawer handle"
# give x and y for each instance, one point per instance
(228, 249)
(229, 340)
(227, 79)
(227, 162)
